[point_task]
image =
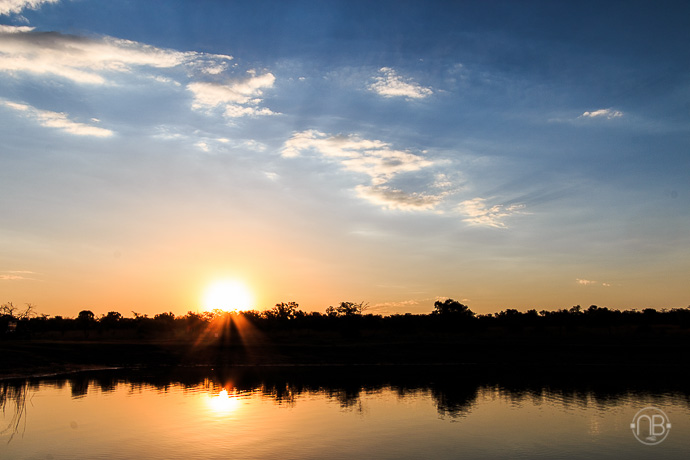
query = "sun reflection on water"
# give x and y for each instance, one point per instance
(224, 402)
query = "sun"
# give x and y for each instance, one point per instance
(228, 295)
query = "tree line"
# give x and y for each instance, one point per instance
(448, 316)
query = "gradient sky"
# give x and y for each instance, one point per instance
(505, 154)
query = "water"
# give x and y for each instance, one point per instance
(346, 413)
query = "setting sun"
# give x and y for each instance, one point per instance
(228, 295)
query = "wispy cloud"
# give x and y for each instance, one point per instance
(15, 29)
(392, 198)
(394, 307)
(374, 158)
(479, 213)
(378, 160)
(57, 120)
(15, 275)
(92, 61)
(105, 60)
(402, 303)
(390, 84)
(203, 146)
(586, 282)
(236, 98)
(603, 113)
(16, 6)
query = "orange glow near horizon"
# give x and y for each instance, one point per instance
(228, 295)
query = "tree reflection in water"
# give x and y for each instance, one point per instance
(454, 390)
(15, 395)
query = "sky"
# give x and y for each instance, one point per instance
(503, 154)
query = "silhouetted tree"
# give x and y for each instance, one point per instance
(111, 319)
(85, 320)
(113, 316)
(347, 309)
(450, 307)
(532, 314)
(253, 315)
(285, 311)
(168, 317)
(8, 309)
(85, 317)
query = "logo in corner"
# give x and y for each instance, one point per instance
(650, 426)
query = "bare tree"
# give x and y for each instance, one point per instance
(8, 309)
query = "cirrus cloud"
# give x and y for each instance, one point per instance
(392, 198)
(92, 61)
(374, 158)
(478, 213)
(586, 282)
(15, 275)
(603, 113)
(14, 29)
(57, 120)
(237, 98)
(16, 6)
(390, 84)
(105, 61)
(378, 160)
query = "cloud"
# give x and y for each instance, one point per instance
(203, 146)
(390, 84)
(104, 60)
(397, 199)
(15, 29)
(383, 164)
(479, 214)
(14, 275)
(237, 98)
(254, 145)
(394, 307)
(584, 282)
(442, 181)
(402, 303)
(16, 6)
(603, 113)
(57, 120)
(374, 158)
(92, 61)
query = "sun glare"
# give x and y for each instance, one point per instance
(228, 296)
(224, 402)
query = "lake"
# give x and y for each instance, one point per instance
(336, 413)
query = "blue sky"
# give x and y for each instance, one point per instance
(510, 155)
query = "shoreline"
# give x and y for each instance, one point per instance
(634, 359)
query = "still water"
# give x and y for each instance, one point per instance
(348, 413)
